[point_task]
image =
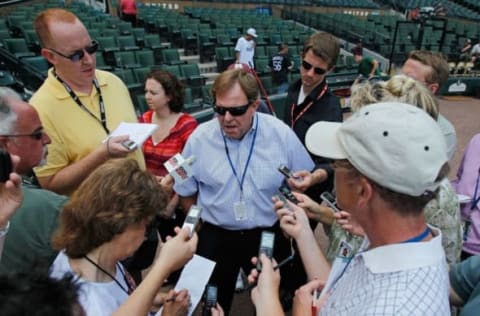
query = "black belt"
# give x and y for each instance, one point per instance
(239, 232)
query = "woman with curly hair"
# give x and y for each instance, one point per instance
(105, 222)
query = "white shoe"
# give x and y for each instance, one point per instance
(239, 286)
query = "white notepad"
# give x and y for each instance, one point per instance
(137, 132)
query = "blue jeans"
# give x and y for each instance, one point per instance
(282, 88)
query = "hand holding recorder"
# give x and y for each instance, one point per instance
(11, 194)
(265, 294)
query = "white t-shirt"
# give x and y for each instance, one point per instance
(246, 50)
(96, 298)
(476, 49)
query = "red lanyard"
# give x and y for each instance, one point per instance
(294, 120)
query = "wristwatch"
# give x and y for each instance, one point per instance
(4, 231)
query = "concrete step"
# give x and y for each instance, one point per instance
(193, 59)
(207, 67)
(211, 76)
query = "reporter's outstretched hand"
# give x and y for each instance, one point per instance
(217, 310)
(178, 250)
(265, 295)
(114, 148)
(11, 195)
(293, 221)
(300, 181)
(303, 300)
(348, 223)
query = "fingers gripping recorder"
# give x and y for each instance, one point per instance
(266, 247)
(179, 167)
(330, 200)
(193, 219)
(6, 166)
(210, 299)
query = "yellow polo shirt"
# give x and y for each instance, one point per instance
(73, 131)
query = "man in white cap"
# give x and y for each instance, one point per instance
(245, 48)
(389, 161)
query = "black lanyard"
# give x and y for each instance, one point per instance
(130, 287)
(103, 118)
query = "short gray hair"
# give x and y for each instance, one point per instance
(8, 118)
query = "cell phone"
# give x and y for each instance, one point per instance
(6, 166)
(210, 299)
(193, 218)
(266, 247)
(285, 171)
(331, 201)
(282, 198)
(287, 193)
(129, 144)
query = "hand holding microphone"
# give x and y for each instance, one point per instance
(179, 167)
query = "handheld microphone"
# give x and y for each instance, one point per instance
(179, 167)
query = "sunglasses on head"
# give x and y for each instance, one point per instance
(78, 54)
(234, 110)
(317, 70)
(37, 135)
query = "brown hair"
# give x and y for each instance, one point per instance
(323, 45)
(438, 63)
(116, 195)
(172, 86)
(45, 18)
(403, 203)
(407, 204)
(228, 78)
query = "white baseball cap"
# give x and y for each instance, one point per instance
(251, 31)
(396, 145)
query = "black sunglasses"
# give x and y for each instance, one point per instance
(308, 66)
(78, 54)
(234, 111)
(37, 135)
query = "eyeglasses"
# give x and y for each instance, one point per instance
(308, 66)
(37, 135)
(234, 110)
(78, 54)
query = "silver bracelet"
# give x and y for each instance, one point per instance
(4, 231)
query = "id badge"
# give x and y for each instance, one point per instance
(345, 250)
(240, 211)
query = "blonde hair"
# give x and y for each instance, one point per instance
(400, 88)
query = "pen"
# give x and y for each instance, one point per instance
(278, 266)
(314, 302)
(283, 262)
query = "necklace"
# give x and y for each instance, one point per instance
(127, 290)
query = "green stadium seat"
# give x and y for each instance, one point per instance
(127, 42)
(126, 59)
(145, 57)
(170, 56)
(18, 47)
